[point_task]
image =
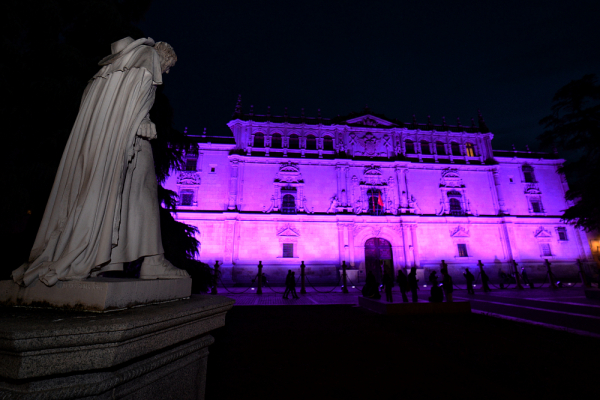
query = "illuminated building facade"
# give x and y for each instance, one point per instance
(365, 189)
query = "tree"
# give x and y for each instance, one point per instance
(50, 51)
(574, 125)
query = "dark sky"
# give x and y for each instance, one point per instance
(438, 58)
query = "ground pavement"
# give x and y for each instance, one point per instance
(563, 309)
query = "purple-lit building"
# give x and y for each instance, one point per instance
(364, 189)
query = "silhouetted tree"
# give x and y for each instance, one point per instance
(574, 125)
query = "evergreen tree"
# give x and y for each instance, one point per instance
(574, 125)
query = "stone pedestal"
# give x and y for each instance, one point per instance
(153, 352)
(95, 294)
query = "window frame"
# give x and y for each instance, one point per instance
(290, 250)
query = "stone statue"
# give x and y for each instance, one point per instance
(333, 205)
(103, 208)
(413, 205)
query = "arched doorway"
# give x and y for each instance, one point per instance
(376, 251)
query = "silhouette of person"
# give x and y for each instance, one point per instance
(293, 286)
(412, 283)
(526, 278)
(288, 285)
(388, 283)
(447, 284)
(484, 281)
(437, 296)
(470, 278)
(371, 288)
(403, 284)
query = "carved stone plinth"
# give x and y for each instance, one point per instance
(154, 352)
(95, 294)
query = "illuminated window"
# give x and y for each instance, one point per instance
(288, 250)
(462, 250)
(470, 150)
(546, 250)
(276, 141)
(259, 140)
(187, 197)
(375, 202)
(562, 234)
(190, 164)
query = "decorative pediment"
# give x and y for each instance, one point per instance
(288, 230)
(289, 173)
(370, 120)
(188, 178)
(542, 232)
(372, 170)
(451, 178)
(372, 175)
(459, 231)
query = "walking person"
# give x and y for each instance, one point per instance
(470, 278)
(412, 283)
(526, 278)
(437, 295)
(288, 285)
(484, 281)
(403, 284)
(447, 284)
(293, 286)
(388, 284)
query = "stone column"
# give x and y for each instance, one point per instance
(415, 244)
(350, 228)
(233, 185)
(340, 242)
(501, 204)
(402, 187)
(339, 178)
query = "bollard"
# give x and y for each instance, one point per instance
(302, 278)
(260, 267)
(584, 280)
(216, 275)
(344, 278)
(550, 275)
(517, 277)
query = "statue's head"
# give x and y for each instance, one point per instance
(167, 55)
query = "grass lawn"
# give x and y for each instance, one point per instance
(340, 351)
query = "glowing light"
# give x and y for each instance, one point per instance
(252, 288)
(424, 285)
(353, 287)
(474, 285)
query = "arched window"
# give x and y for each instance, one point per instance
(528, 174)
(288, 204)
(455, 149)
(294, 142)
(440, 148)
(470, 150)
(276, 141)
(454, 198)
(327, 143)
(259, 140)
(410, 146)
(425, 147)
(311, 142)
(375, 202)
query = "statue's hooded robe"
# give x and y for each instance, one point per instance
(93, 217)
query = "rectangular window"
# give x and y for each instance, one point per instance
(462, 250)
(536, 207)
(187, 198)
(288, 250)
(562, 234)
(546, 251)
(190, 164)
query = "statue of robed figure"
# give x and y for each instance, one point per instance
(103, 208)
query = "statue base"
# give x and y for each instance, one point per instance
(154, 352)
(95, 294)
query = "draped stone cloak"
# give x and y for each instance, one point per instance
(82, 222)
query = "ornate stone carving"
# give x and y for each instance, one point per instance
(451, 178)
(372, 175)
(459, 231)
(369, 142)
(542, 232)
(288, 230)
(188, 178)
(289, 173)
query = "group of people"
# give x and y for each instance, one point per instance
(406, 284)
(290, 285)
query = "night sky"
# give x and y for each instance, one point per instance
(438, 58)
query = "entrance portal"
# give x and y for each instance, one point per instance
(376, 251)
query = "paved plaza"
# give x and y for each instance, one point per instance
(564, 309)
